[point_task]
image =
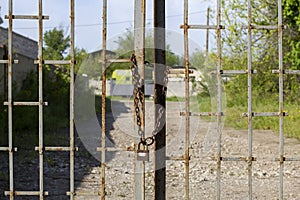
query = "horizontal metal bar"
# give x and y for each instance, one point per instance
(79, 193)
(203, 114)
(119, 61)
(297, 72)
(26, 103)
(175, 158)
(53, 62)
(26, 17)
(265, 114)
(7, 149)
(6, 61)
(237, 72)
(113, 149)
(264, 27)
(57, 148)
(237, 159)
(25, 193)
(288, 159)
(179, 71)
(202, 27)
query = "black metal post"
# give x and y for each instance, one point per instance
(160, 98)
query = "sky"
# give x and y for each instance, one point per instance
(88, 21)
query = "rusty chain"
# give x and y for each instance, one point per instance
(138, 93)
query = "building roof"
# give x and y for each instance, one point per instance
(99, 52)
(21, 44)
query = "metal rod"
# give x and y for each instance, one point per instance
(72, 64)
(187, 103)
(27, 17)
(40, 77)
(207, 35)
(26, 193)
(9, 99)
(26, 103)
(202, 114)
(200, 27)
(139, 49)
(160, 98)
(6, 62)
(119, 61)
(280, 67)
(54, 62)
(296, 72)
(250, 133)
(219, 96)
(103, 144)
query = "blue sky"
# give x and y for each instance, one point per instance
(88, 15)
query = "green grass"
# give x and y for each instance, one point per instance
(233, 116)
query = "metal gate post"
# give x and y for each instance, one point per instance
(159, 98)
(72, 63)
(139, 49)
(40, 77)
(250, 132)
(103, 137)
(9, 100)
(281, 113)
(187, 102)
(219, 95)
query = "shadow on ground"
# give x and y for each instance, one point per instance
(57, 164)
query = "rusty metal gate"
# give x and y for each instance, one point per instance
(140, 11)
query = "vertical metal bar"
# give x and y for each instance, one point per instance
(207, 34)
(139, 49)
(40, 72)
(281, 138)
(219, 82)
(249, 36)
(104, 31)
(160, 98)
(187, 102)
(9, 74)
(72, 63)
(4, 73)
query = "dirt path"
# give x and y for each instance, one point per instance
(203, 169)
(120, 174)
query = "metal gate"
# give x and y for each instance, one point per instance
(140, 11)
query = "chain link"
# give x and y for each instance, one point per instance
(138, 92)
(138, 95)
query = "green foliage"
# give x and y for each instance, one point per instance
(126, 49)
(56, 93)
(292, 35)
(56, 44)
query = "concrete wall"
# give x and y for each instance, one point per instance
(20, 71)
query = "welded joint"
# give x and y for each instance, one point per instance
(15, 149)
(220, 27)
(250, 159)
(185, 26)
(281, 159)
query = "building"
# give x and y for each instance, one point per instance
(25, 50)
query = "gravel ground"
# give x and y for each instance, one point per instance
(120, 174)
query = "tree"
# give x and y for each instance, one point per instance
(56, 44)
(126, 49)
(292, 19)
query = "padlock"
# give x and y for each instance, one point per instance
(142, 154)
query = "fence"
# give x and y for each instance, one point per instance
(139, 186)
